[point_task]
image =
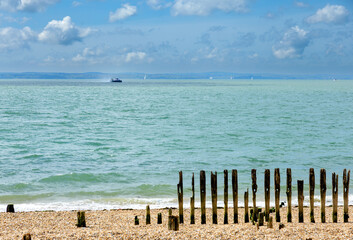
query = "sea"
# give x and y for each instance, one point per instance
(93, 144)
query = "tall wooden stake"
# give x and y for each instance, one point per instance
(346, 178)
(277, 193)
(192, 201)
(203, 196)
(148, 215)
(246, 206)
(214, 196)
(312, 192)
(300, 200)
(254, 190)
(181, 197)
(225, 196)
(267, 194)
(173, 223)
(235, 194)
(81, 219)
(334, 196)
(159, 218)
(289, 195)
(323, 193)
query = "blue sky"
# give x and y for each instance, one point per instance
(172, 36)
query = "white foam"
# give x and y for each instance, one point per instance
(155, 203)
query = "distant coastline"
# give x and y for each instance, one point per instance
(131, 75)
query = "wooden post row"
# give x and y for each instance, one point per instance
(346, 179)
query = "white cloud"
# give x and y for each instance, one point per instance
(26, 5)
(63, 32)
(20, 20)
(293, 44)
(205, 7)
(301, 4)
(212, 54)
(133, 56)
(12, 38)
(86, 55)
(76, 3)
(122, 13)
(336, 14)
(253, 56)
(158, 4)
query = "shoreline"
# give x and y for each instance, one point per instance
(118, 223)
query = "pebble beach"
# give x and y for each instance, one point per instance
(119, 224)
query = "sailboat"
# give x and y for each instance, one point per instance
(144, 78)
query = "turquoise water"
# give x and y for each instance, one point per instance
(93, 144)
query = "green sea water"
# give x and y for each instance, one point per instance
(93, 144)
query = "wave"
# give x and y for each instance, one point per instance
(82, 177)
(109, 203)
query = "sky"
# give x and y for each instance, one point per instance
(177, 36)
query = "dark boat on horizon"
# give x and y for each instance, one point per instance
(116, 80)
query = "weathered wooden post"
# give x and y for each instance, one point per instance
(203, 196)
(10, 208)
(300, 200)
(27, 236)
(173, 223)
(235, 194)
(346, 178)
(277, 193)
(312, 192)
(137, 222)
(323, 193)
(170, 213)
(289, 195)
(192, 201)
(159, 218)
(334, 196)
(181, 197)
(225, 196)
(270, 222)
(267, 193)
(148, 215)
(254, 190)
(81, 220)
(261, 219)
(214, 196)
(246, 206)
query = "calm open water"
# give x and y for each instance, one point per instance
(92, 144)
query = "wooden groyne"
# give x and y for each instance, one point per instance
(256, 214)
